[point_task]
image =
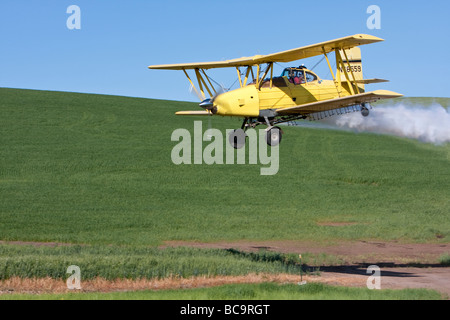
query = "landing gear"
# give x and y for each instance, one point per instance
(364, 110)
(237, 138)
(273, 136)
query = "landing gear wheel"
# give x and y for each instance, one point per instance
(364, 110)
(273, 136)
(237, 138)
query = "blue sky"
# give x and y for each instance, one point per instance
(119, 39)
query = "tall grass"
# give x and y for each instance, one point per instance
(135, 263)
(445, 259)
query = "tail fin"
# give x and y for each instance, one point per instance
(352, 65)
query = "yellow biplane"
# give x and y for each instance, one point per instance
(297, 94)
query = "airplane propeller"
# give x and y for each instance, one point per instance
(208, 104)
(192, 89)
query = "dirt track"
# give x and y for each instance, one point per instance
(402, 265)
(350, 252)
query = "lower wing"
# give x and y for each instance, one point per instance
(193, 113)
(337, 103)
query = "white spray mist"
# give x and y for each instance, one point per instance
(427, 124)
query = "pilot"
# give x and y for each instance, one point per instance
(296, 77)
(299, 80)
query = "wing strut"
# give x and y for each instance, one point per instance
(341, 67)
(260, 82)
(201, 83)
(338, 85)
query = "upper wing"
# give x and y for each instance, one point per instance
(284, 56)
(320, 48)
(337, 103)
(245, 61)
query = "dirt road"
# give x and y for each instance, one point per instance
(401, 265)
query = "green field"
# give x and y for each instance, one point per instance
(96, 170)
(263, 291)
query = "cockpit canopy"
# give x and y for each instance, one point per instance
(298, 75)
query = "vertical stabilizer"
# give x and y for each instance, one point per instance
(351, 61)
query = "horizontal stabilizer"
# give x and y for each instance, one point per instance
(370, 81)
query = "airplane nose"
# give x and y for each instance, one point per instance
(221, 104)
(207, 104)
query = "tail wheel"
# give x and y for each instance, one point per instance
(273, 136)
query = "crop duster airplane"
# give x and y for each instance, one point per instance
(298, 93)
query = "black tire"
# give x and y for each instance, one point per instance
(364, 111)
(274, 136)
(237, 138)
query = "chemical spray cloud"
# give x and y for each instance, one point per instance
(427, 124)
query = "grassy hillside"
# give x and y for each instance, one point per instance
(96, 169)
(423, 101)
